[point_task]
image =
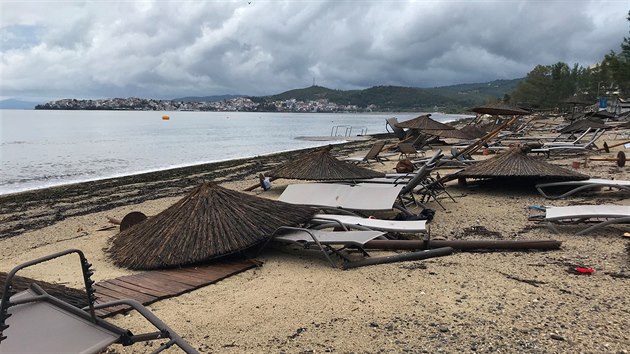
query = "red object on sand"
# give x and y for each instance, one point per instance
(585, 270)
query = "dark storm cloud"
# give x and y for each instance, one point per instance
(168, 49)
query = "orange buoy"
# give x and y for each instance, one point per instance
(166, 117)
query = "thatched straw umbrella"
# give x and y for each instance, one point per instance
(210, 222)
(500, 108)
(430, 126)
(583, 124)
(473, 131)
(320, 165)
(515, 163)
(424, 122)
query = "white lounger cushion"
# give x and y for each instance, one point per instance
(587, 211)
(601, 215)
(341, 196)
(404, 226)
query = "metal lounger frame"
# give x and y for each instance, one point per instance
(325, 247)
(125, 337)
(580, 186)
(600, 218)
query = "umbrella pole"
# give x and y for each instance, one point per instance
(464, 245)
(410, 256)
(476, 145)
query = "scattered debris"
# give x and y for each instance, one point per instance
(557, 337)
(581, 270)
(532, 282)
(481, 231)
(297, 333)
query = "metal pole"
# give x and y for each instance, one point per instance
(463, 245)
(409, 256)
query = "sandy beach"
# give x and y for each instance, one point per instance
(297, 303)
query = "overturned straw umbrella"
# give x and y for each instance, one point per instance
(499, 108)
(320, 165)
(208, 223)
(424, 122)
(427, 125)
(516, 164)
(472, 131)
(583, 124)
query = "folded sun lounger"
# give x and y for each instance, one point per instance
(325, 240)
(577, 186)
(349, 221)
(374, 154)
(600, 215)
(33, 321)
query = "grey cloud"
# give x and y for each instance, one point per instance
(166, 49)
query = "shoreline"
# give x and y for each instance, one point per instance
(176, 167)
(30, 210)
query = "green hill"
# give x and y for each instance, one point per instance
(455, 98)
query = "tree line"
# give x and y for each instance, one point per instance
(548, 86)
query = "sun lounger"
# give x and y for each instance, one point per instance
(374, 154)
(408, 150)
(570, 147)
(349, 221)
(576, 141)
(601, 215)
(326, 240)
(451, 161)
(342, 196)
(419, 182)
(577, 186)
(391, 123)
(34, 321)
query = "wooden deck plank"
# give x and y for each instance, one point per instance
(172, 286)
(118, 295)
(152, 286)
(184, 278)
(204, 272)
(132, 294)
(102, 298)
(207, 272)
(195, 273)
(136, 287)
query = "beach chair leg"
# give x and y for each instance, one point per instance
(603, 224)
(552, 227)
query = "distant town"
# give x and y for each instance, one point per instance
(239, 104)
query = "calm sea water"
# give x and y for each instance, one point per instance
(47, 148)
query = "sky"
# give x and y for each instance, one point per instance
(168, 49)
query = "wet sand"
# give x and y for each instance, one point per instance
(296, 303)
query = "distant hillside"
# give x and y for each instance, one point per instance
(455, 98)
(313, 93)
(493, 88)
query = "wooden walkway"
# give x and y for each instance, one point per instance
(152, 286)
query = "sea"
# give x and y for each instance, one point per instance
(45, 148)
